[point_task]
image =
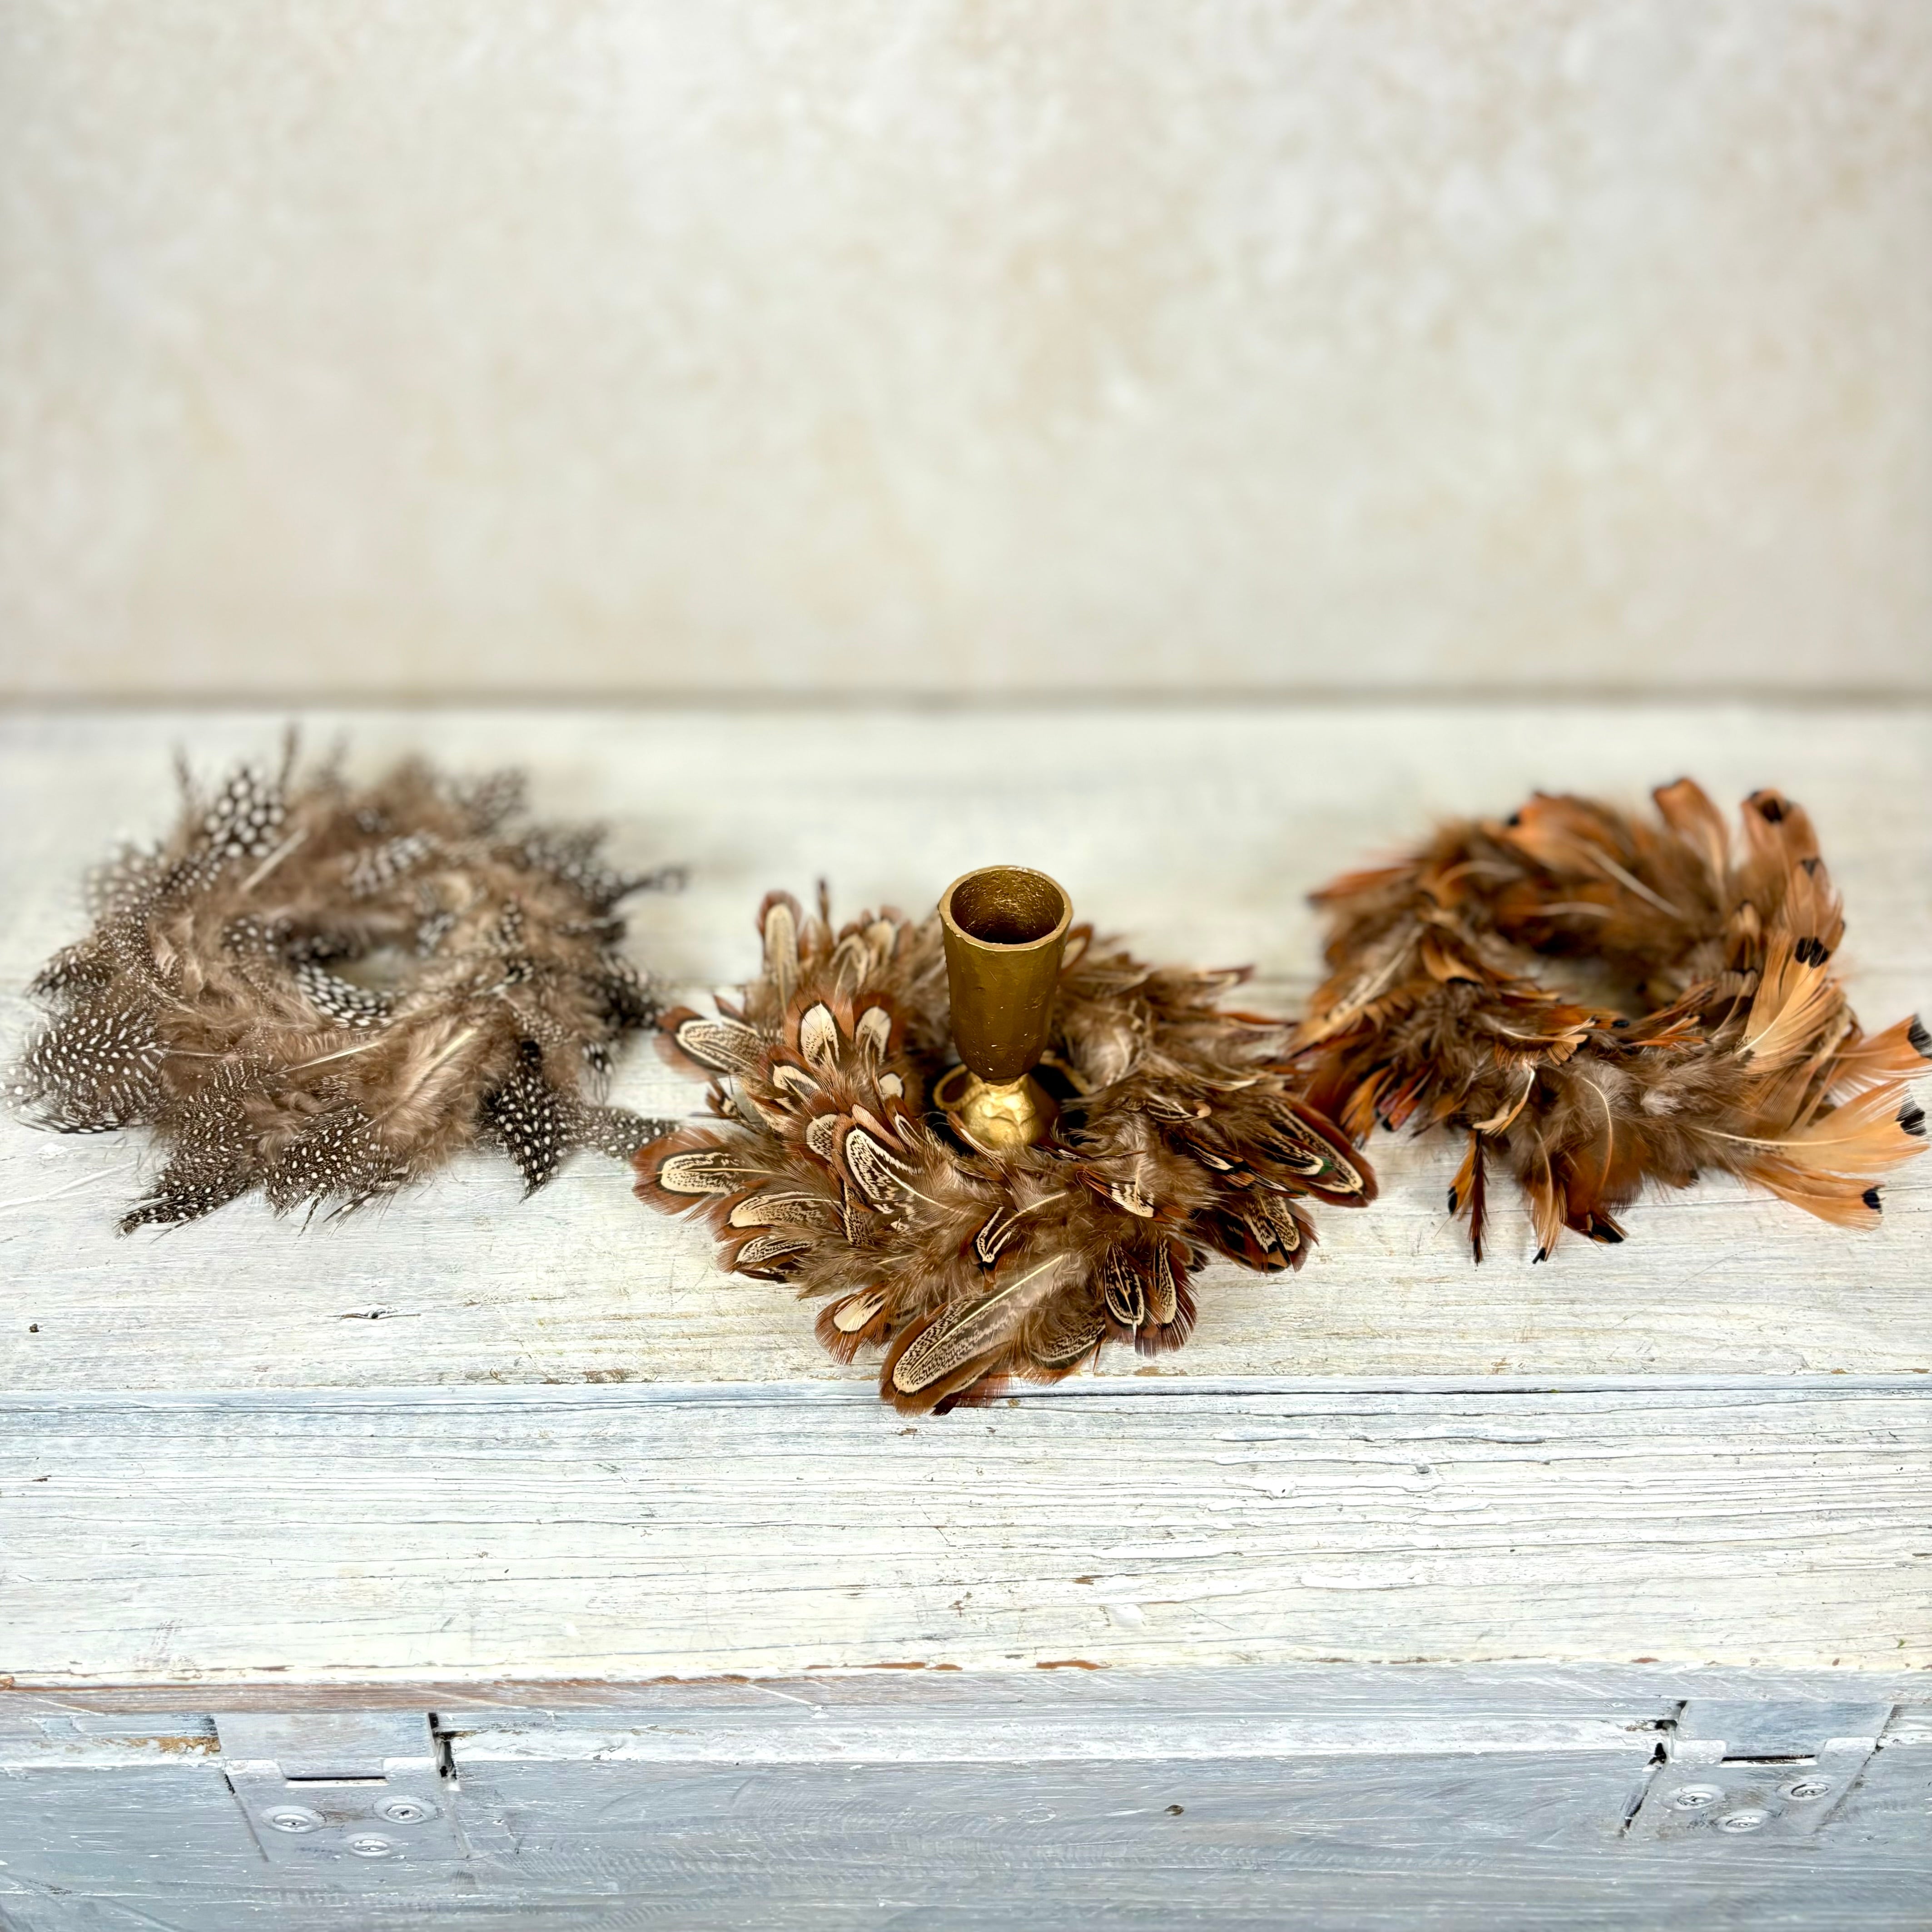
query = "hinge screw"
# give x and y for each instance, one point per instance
(292, 1818)
(1696, 1797)
(1743, 1821)
(1808, 1787)
(403, 1811)
(367, 1845)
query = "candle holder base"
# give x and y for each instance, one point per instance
(996, 1116)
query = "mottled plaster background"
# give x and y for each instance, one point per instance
(619, 345)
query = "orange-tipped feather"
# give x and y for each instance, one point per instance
(1709, 1030)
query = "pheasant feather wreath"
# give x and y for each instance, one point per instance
(1597, 1001)
(322, 993)
(1179, 1137)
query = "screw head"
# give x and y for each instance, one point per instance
(369, 1845)
(403, 1810)
(291, 1818)
(1744, 1821)
(1802, 1790)
(1695, 1797)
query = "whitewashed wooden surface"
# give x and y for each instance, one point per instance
(1194, 831)
(639, 1533)
(244, 1450)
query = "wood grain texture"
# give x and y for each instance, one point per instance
(1520, 1841)
(1195, 831)
(1514, 1845)
(636, 1533)
(1377, 1798)
(1277, 1712)
(119, 1723)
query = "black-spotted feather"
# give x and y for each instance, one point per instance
(319, 993)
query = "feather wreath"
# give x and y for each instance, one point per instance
(322, 993)
(1597, 1001)
(1179, 1137)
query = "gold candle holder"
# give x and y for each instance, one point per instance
(1005, 929)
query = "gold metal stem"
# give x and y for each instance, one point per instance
(1005, 929)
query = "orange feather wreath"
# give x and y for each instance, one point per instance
(1597, 1001)
(1180, 1136)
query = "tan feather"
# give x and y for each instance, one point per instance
(880, 1175)
(766, 1211)
(961, 1335)
(766, 1251)
(704, 1171)
(1796, 997)
(722, 1046)
(1163, 1302)
(779, 923)
(855, 1311)
(818, 1035)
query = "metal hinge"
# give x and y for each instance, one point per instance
(1773, 1771)
(355, 1789)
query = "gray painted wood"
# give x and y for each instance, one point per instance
(1376, 1798)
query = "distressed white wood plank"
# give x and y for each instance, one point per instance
(1370, 1796)
(1517, 1841)
(1195, 831)
(1278, 1713)
(630, 1533)
(129, 1723)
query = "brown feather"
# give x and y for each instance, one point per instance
(1603, 1002)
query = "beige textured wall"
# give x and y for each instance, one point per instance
(610, 345)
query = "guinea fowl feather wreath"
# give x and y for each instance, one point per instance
(1706, 1027)
(1179, 1136)
(322, 992)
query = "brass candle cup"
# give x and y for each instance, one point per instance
(1005, 929)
